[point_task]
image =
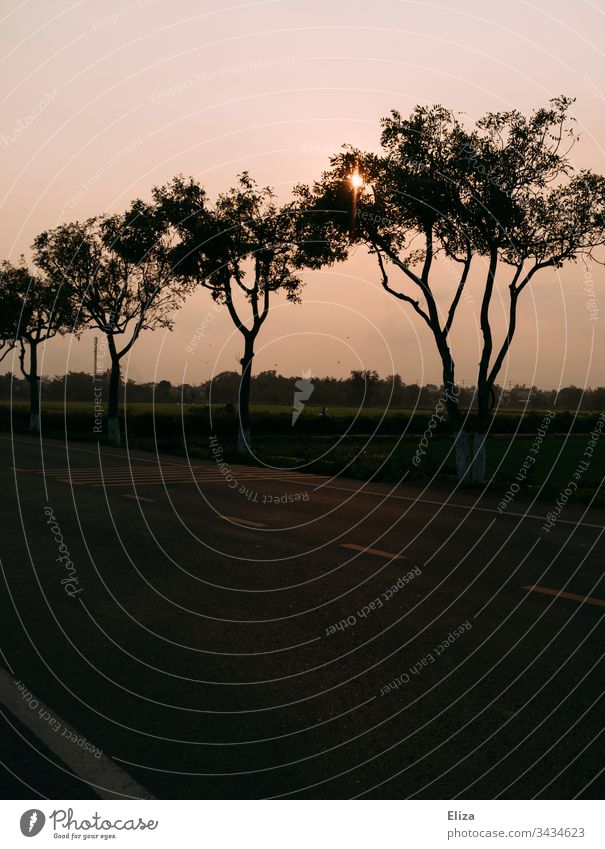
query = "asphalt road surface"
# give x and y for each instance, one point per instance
(181, 630)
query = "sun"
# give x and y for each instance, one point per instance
(356, 180)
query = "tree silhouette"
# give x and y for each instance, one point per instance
(439, 197)
(117, 269)
(243, 248)
(38, 308)
(10, 308)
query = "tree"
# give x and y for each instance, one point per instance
(244, 249)
(40, 308)
(441, 197)
(528, 211)
(162, 391)
(10, 309)
(117, 269)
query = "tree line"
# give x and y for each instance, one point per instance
(437, 201)
(365, 388)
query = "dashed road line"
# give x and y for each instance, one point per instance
(376, 551)
(239, 521)
(584, 599)
(138, 497)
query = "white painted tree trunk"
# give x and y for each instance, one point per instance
(478, 466)
(243, 441)
(461, 445)
(113, 430)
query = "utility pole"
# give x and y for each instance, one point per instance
(95, 346)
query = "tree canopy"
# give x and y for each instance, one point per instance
(503, 195)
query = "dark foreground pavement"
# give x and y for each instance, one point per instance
(252, 633)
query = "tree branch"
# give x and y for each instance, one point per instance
(232, 311)
(378, 242)
(9, 345)
(25, 373)
(428, 259)
(400, 295)
(458, 295)
(486, 329)
(514, 291)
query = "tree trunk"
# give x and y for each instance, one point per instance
(479, 460)
(243, 437)
(113, 420)
(34, 389)
(463, 457)
(451, 394)
(484, 385)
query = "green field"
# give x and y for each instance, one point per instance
(346, 444)
(277, 409)
(172, 408)
(390, 459)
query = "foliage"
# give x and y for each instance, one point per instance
(503, 191)
(117, 269)
(272, 392)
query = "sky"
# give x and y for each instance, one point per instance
(104, 100)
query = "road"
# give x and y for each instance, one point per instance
(175, 629)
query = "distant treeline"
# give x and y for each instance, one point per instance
(361, 388)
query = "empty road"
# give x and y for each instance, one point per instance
(178, 629)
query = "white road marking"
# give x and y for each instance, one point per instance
(361, 491)
(107, 779)
(111, 476)
(471, 508)
(585, 599)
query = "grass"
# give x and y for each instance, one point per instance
(310, 410)
(88, 406)
(390, 459)
(172, 408)
(328, 446)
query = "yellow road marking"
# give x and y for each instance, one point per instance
(388, 554)
(245, 522)
(598, 602)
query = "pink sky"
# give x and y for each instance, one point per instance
(104, 100)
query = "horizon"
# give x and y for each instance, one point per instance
(290, 94)
(509, 385)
